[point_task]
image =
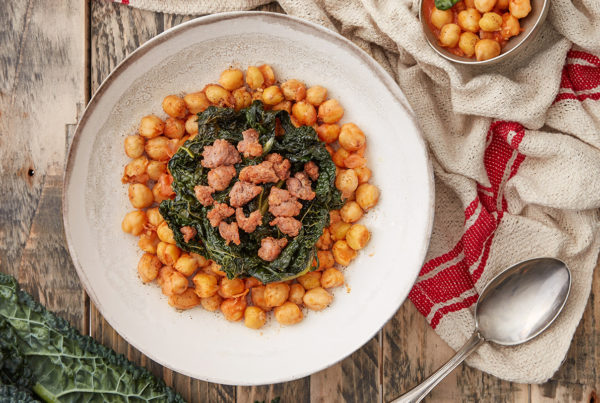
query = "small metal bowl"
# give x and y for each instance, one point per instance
(529, 24)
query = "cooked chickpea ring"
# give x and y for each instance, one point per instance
(477, 28)
(189, 280)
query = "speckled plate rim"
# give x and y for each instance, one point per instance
(205, 20)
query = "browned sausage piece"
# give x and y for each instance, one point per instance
(261, 173)
(219, 177)
(204, 195)
(312, 170)
(280, 166)
(188, 232)
(299, 186)
(283, 204)
(288, 225)
(220, 153)
(242, 192)
(270, 248)
(250, 146)
(229, 232)
(248, 224)
(218, 213)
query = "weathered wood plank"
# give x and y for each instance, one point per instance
(42, 78)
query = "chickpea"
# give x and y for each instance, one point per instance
(467, 43)
(215, 268)
(363, 174)
(519, 8)
(219, 96)
(191, 125)
(140, 196)
(510, 26)
(332, 278)
(233, 309)
(305, 113)
(293, 90)
(134, 146)
(276, 294)
(151, 126)
(346, 182)
(351, 137)
(358, 236)
(342, 253)
(272, 95)
(258, 297)
(469, 3)
(174, 283)
(254, 317)
(254, 78)
(324, 242)
(196, 102)
(211, 303)
(325, 258)
(174, 106)
(155, 169)
(230, 288)
(296, 293)
(330, 111)
(439, 18)
(338, 230)
(168, 253)
(310, 280)
(158, 194)
(134, 222)
(317, 299)
(163, 275)
(202, 261)
(502, 4)
(484, 6)
(268, 74)
(490, 22)
(135, 171)
(316, 95)
(206, 285)
(469, 20)
(367, 195)
(242, 98)
(283, 106)
(257, 95)
(186, 300)
(355, 161)
(295, 121)
(165, 233)
(231, 79)
(328, 133)
(340, 156)
(486, 49)
(174, 128)
(251, 282)
(148, 242)
(186, 265)
(334, 216)
(158, 148)
(154, 216)
(351, 212)
(148, 267)
(449, 35)
(288, 314)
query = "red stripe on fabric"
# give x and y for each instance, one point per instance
(433, 263)
(565, 95)
(594, 97)
(447, 284)
(452, 308)
(588, 57)
(125, 1)
(471, 208)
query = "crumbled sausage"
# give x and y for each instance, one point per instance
(250, 146)
(283, 204)
(270, 248)
(288, 225)
(248, 224)
(312, 170)
(261, 173)
(299, 186)
(204, 195)
(220, 153)
(188, 232)
(229, 232)
(218, 213)
(242, 192)
(281, 166)
(220, 177)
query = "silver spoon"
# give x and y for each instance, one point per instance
(516, 306)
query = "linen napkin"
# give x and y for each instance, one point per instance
(515, 150)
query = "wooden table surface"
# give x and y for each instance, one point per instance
(52, 59)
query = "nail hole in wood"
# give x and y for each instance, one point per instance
(593, 397)
(31, 172)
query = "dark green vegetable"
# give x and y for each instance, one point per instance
(43, 357)
(299, 145)
(445, 4)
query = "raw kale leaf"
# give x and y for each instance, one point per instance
(299, 145)
(41, 353)
(445, 4)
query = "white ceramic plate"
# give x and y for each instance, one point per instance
(203, 344)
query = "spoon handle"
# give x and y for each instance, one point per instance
(420, 391)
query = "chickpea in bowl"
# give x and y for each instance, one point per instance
(480, 31)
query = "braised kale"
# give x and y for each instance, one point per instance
(43, 357)
(299, 145)
(445, 4)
